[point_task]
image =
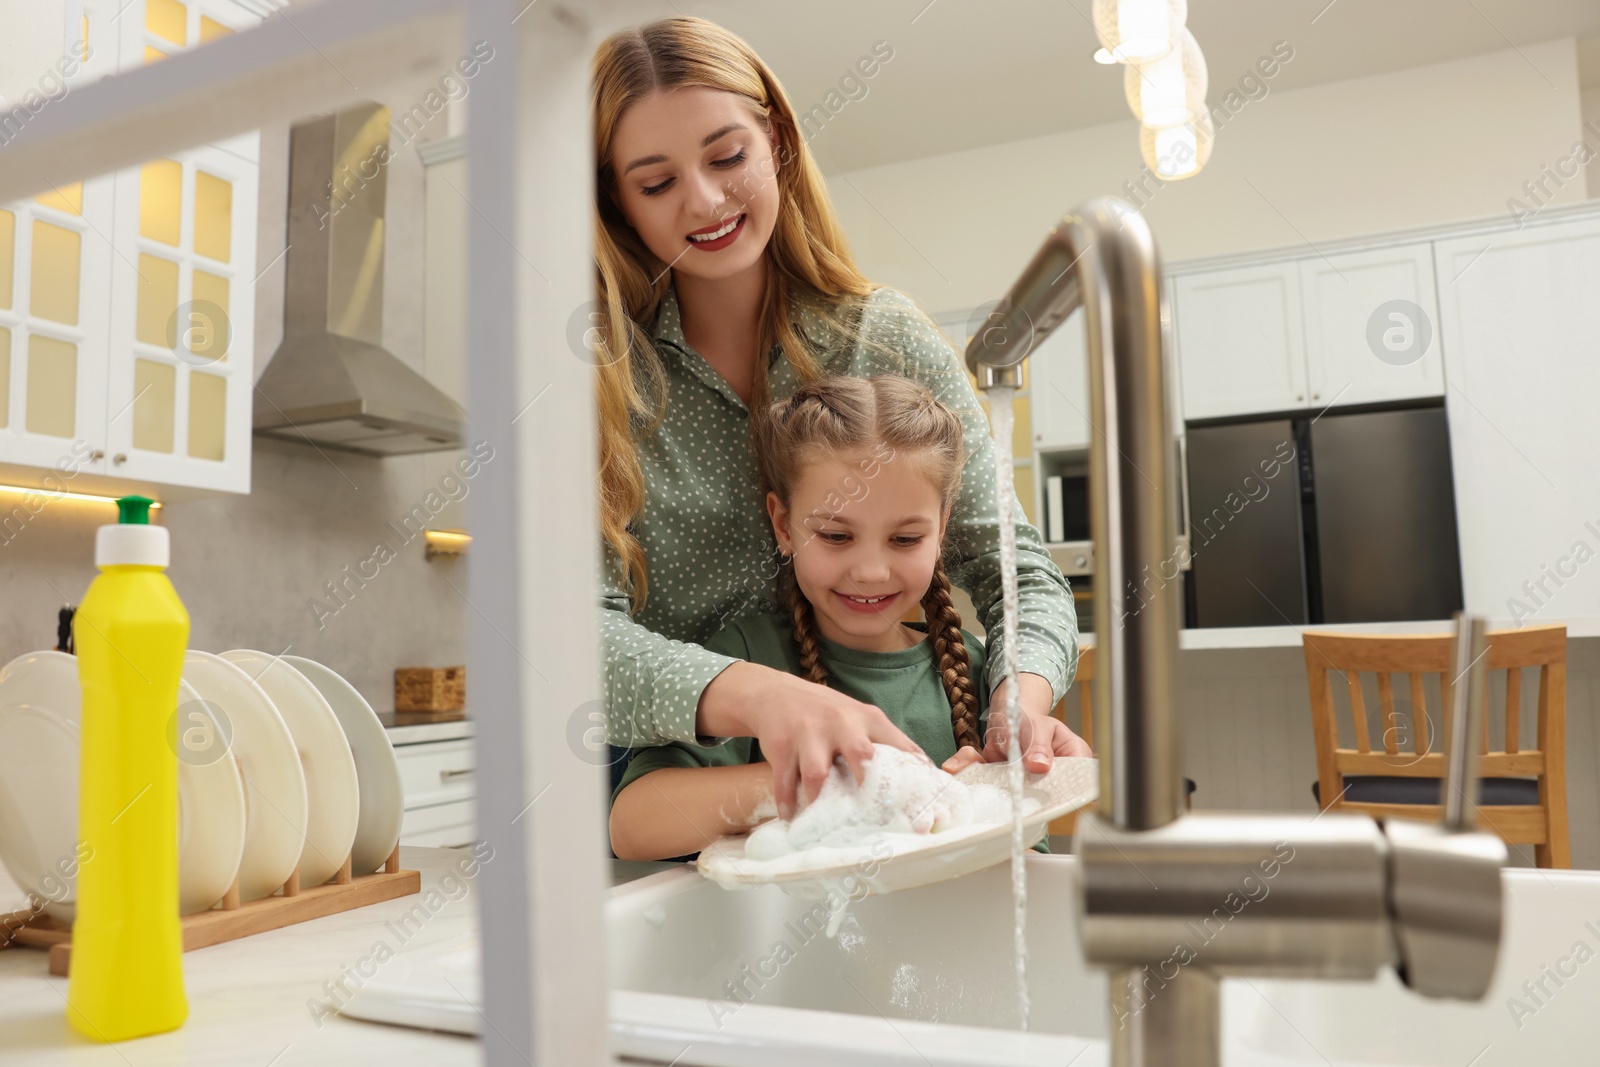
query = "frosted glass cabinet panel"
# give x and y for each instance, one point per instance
(180, 407)
(55, 274)
(127, 300)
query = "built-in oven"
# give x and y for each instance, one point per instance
(1063, 510)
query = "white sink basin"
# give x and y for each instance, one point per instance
(707, 976)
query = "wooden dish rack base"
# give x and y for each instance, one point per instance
(230, 920)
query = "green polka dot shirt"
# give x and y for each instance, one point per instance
(713, 560)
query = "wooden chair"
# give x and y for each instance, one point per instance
(1523, 792)
(1067, 825)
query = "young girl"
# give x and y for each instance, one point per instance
(861, 474)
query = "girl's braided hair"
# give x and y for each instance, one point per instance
(881, 419)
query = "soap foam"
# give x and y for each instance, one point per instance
(903, 800)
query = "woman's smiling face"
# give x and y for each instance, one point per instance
(691, 161)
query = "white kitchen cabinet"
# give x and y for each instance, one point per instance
(183, 321)
(1358, 304)
(1241, 340)
(55, 272)
(436, 777)
(1060, 388)
(1307, 332)
(1519, 320)
(127, 301)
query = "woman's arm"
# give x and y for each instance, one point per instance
(652, 685)
(674, 811)
(658, 691)
(1047, 623)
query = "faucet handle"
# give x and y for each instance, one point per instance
(1446, 900)
(1470, 669)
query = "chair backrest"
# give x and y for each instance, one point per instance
(1081, 681)
(1418, 656)
(1067, 825)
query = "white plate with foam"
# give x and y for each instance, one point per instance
(889, 862)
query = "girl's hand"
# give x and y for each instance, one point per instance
(1042, 736)
(802, 727)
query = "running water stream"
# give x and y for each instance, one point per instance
(1000, 419)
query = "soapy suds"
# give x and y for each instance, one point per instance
(900, 793)
(904, 804)
(1000, 415)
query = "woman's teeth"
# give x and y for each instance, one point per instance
(726, 229)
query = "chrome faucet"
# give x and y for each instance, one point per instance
(1171, 902)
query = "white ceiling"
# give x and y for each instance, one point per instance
(966, 74)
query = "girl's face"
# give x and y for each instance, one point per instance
(689, 162)
(865, 536)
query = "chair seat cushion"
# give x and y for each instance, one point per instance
(1395, 789)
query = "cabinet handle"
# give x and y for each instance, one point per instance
(98, 453)
(1316, 396)
(445, 776)
(1299, 396)
(120, 457)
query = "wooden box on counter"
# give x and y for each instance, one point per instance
(430, 688)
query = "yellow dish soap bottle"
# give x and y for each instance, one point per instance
(126, 975)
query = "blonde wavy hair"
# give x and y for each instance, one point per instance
(891, 420)
(808, 260)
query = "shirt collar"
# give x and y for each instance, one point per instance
(669, 327)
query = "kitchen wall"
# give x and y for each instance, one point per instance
(1425, 145)
(251, 568)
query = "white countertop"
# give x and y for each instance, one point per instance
(422, 732)
(248, 999)
(1248, 637)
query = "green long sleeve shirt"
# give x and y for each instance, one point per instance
(711, 553)
(904, 684)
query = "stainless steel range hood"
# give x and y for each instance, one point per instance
(331, 382)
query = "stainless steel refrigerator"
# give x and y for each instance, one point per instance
(1334, 518)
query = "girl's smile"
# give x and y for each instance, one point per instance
(876, 603)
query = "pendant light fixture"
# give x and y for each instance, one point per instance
(1170, 90)
(1165, 83)
(1137, 31)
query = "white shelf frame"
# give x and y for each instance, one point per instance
(534, 634)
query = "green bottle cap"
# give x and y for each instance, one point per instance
(134, 510)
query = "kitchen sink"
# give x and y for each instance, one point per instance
(706, 976)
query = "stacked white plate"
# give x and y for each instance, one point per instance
(281, 764)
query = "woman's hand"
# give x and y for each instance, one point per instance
(801, 726)
(1041, 738)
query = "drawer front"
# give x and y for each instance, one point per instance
(439, 826)
(436, 773)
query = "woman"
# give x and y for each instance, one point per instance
(724, 281)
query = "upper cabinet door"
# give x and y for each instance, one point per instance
(1519, 319)
(54, 273)
(1371, 326)
(1239, 337)
(183, 321)
(1060, 386)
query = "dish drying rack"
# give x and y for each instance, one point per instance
(229, 920)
